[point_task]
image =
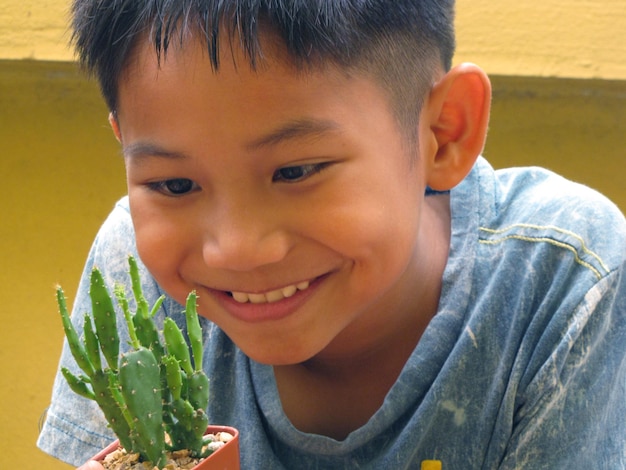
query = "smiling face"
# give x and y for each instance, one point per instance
(286, 200)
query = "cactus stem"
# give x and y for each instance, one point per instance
(193, 330)
(157, 306)
(123, 301)
(79, 353)
(142, 304)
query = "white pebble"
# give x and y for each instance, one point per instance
(213, 446)
(224, 436)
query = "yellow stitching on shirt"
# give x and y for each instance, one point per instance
(556, 229)
(547, 240)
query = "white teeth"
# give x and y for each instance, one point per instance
(240, 297)
(257, 298)
(272, 296)
(289, 291)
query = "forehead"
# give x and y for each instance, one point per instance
(185, 75)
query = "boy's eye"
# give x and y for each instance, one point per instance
(293, 174)
(174, 187)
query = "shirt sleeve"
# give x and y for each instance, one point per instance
(571, 412)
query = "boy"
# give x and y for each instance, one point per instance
(375, 295)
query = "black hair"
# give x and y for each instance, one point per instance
(400, 43)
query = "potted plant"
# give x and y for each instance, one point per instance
(155, 395)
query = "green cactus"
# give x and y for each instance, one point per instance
(155, 391)
(140, 384)
(104, 318)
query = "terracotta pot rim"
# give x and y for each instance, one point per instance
(211, 429)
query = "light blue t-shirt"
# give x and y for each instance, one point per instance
(523, 367)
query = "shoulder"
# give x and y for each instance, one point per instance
(115, 240)
(536, 205)
(118, 223)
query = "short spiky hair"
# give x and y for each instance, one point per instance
(400, 43)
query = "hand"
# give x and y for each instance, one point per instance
(91, 465)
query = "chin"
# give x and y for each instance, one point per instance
(278, 359)
(273, 356)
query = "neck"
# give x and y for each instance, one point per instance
(320, 395)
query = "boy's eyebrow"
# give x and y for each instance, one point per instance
(297, 129)
(148, 149)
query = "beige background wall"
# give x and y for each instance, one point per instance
(559, 78)
(562, 38)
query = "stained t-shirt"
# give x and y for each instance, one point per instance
(523, 366)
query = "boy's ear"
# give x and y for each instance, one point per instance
(115, 126)
(458, 117)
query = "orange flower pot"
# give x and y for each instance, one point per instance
(224, 458)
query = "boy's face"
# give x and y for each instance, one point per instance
(287, 201)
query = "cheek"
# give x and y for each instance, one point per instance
(387, 250)
(162, 245)
(378, 235)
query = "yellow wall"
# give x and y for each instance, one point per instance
(563, 38)
(574, 127)
(62, 172)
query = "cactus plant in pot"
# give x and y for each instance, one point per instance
(153, 396)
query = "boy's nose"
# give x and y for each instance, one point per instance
(242, 240)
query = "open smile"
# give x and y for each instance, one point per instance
(270, 305)
(270, 296)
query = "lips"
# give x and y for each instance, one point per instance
(270, 296)
(271, 305)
